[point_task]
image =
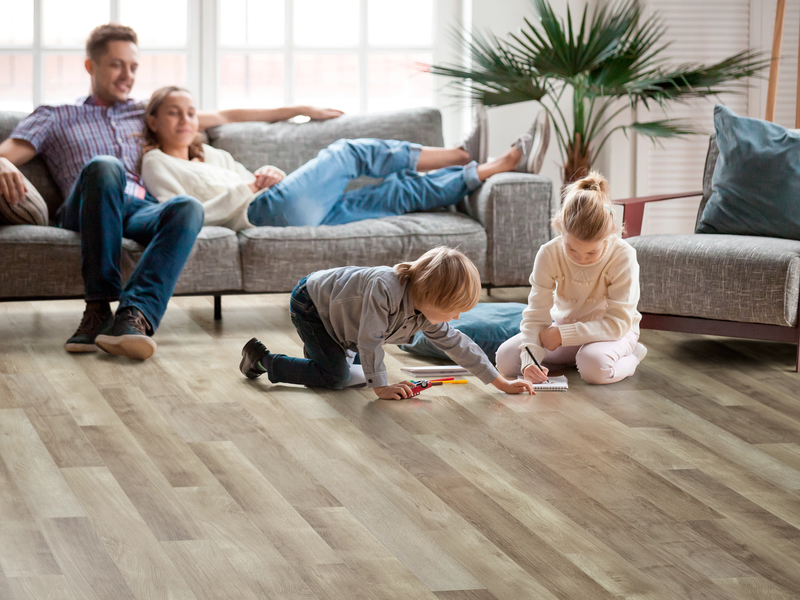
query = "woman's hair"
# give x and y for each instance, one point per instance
(150, 138)
(443, 278)
(586, 211)
(99, 38)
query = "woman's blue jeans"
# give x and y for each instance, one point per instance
(315, 193)
(100, 210)
(326, 363)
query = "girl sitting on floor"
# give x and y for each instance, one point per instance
(584, 292)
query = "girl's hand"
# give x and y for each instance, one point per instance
(396, 391)
(533, 374)
(513, 387)
(551, 338)
(267, 176)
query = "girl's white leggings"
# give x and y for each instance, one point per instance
(597, 362)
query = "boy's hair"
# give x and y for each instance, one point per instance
(443, 278)
(586, 211)
(97, 42)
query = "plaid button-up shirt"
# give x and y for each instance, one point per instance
(69, 135)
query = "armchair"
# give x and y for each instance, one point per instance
(727, 285)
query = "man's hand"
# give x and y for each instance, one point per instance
(551, 338)
(513, 387)
(12, 184)
(322, 114)
(535, 375)
(396, 391)
(267, 176)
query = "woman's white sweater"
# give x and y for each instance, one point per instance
(589, 303)
(219, 182)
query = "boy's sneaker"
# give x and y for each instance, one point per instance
(533, 145)
(252, 353)
(477, 141)
(640, 351)
(96, 317)
(128, 335)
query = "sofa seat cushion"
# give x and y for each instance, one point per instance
(213, 266)
(46, 262)
(40, 261)
(727, 277)
(275, 258)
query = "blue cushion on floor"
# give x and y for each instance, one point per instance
(756, 182)
(488, 325)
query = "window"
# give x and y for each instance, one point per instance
(42, 47)
(357, 55)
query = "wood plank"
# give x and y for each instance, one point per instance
(162, 445)
(143, 563)
(52, 587)
(247, 548)
(32, 468)
(84, 560)
(23, 550)
(143, 484)
(207, 571)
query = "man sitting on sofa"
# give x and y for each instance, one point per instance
(92, 149)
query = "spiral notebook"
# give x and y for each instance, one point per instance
(554, 384)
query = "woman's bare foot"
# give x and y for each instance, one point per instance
(504, 164)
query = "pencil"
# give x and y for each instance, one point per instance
(536, 362)
(449, 382)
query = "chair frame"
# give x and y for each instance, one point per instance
(633, 213)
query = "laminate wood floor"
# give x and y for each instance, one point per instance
(178, 478)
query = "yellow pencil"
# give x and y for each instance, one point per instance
(449, 382)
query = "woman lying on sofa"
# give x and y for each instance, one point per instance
(175, 163)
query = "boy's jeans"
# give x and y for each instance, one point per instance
(315, 193)
(102, 213)
(326, 363)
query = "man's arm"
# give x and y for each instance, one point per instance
(268, 115)
(14, 153)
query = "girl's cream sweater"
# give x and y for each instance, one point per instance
(589, 303)
(219, 182)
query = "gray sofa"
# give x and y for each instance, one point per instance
(731, 285)
(500, 226)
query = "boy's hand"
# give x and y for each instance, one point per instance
(396, 391)
(513, 387)
(551, 338)
(533, 374)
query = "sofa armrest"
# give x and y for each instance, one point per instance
(633, 210)
(515, 210)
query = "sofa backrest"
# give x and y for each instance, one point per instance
(708, 173)
(289, 145)
(36, 170)
(285, 145)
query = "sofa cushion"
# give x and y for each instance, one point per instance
(291, 145)
(214, 264)
(727, 277)
(36, 169)
(32, 210)
(46, 262)
(40, 262)
(275, 258)
(756, 181)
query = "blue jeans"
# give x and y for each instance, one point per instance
(103, 213)
(315, 193)
(326, 363)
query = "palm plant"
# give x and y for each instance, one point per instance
(613, 56)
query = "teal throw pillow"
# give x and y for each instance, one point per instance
(756, 182)
(488, 325)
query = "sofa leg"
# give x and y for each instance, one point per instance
(797, 366)
(217, 308)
